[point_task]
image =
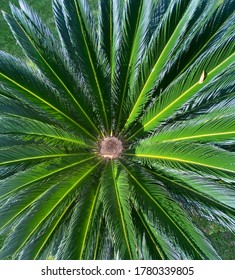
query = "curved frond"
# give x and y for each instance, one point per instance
(211, 127)
(25, 83)
(82, 223)
(63, 193)
(168, 216)
(148, 239)
(114, 192)
(173, 29)
(79, 23)
(205, 196)
(195, 156)
(40, 46)
(27, 129)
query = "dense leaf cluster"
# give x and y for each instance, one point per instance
(154, 76)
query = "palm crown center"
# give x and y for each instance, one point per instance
(111, 147)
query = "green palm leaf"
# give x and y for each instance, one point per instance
(152, 197)
(28, 128)
(87, 52)
(147, 239)
(82, 226)
(195, 155)
(39, 45)
(211, 127)
(63, 193)
(214, 196)
(173, 30)
(22, 81)
(118, 132)
(114, 192)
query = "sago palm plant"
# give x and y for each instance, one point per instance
(118, 131)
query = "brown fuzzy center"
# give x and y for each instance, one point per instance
(111, 147)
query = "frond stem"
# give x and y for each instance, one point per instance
(48, 104)
(58, 78)
(179, 160)
(197, 84)
(92, 66)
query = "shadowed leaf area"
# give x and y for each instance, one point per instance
(117, 131)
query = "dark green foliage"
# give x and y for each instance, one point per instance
(7, 41)
(118, 132)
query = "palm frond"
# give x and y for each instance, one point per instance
(33, 152)
(40, 46)
(29, 87)
(103, 248)
(114, 194)
(28, 129)
(35, 222)
(173, 25)
(211, 127)
(214, 61)
(168, 217)
(206, 196)
(39, 172)
(165, 107)
(147, 238)
(195, 156)
(185, 91)
(124, 59)
(79, 23)
(82, 224)
(11, 106)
